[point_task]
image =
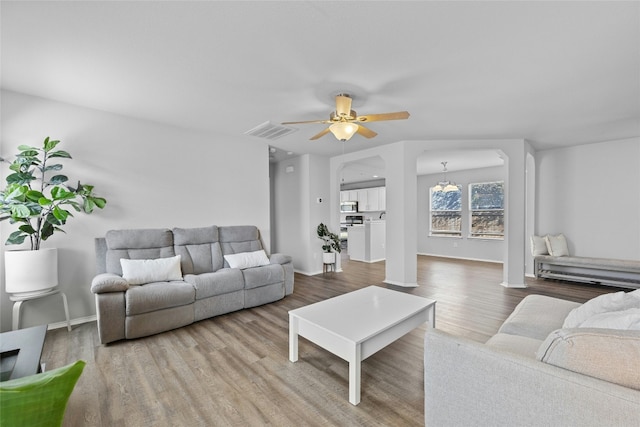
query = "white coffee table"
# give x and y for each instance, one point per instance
(356, 325)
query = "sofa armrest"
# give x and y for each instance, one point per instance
(280, 259)
(468, 383)
(108, 282)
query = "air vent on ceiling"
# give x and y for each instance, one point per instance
(270, 131)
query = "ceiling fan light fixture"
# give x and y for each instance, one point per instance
(343, 131)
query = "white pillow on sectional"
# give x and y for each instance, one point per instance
(607, 303)
(244, 260)
(539, 246)
(625, 319)
(557, 245)
(141, 271)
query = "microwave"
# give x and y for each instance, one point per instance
(348, 207)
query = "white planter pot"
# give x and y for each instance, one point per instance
(31, 272)
(329, 257)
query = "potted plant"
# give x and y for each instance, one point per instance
(331, 244)
(37, 198)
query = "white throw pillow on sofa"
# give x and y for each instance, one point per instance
(539, 246)
(557, 245)
(607, 303)
(625, 319)
(244, 260)
(141, 271)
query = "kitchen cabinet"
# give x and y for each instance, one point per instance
(382, 198)
(369, 199)
(349, 196)
(362, 200)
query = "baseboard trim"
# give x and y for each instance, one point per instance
(402, 284)
(514, 285)
(74, 322)
(462, 258)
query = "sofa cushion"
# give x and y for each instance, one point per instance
(199, 248)
(136, 244)
(611, 302)
(517, 344)
(141, 271)
(239, 238)
(219, 282)
(263, 276)
(158, 296)
(536, 316)
(608, 354)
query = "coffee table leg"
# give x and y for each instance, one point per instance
(355, 366)
(293, 338)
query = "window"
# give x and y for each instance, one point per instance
(486, 203)
(446, 213)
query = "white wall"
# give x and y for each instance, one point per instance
(152, 175)
(298, 183)
(478, 249)
(591, 194)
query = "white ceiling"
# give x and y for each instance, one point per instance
(554, 73)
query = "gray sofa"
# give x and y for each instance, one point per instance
(534, 373)
(206, 287)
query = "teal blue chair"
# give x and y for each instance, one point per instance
(38, 400)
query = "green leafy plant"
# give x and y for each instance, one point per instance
(36, 197)
(331, 240)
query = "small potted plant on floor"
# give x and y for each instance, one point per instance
(330, 245)
(36, 198)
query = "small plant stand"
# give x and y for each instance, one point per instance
(328, 262)
(19, 299)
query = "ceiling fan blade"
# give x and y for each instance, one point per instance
(320, 135)
(304, 122)
(400, 115)
(343, 105)
(367, 133)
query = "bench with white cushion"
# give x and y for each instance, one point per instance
(605, 271)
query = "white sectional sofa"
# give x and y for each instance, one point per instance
(535, 372)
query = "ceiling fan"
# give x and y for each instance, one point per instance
(345, 122)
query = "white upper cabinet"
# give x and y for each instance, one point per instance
(369, 199)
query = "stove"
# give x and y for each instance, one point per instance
(353, 220)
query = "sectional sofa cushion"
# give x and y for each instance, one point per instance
(158, 296)
(517, 344)
(136, 244)
(536, 316)
(239, 238)
(199, 248)
(216, 283)
(608, 354)
(265, 275)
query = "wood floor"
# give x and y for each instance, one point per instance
(233, 370)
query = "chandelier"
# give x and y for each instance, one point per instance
(444, 185)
